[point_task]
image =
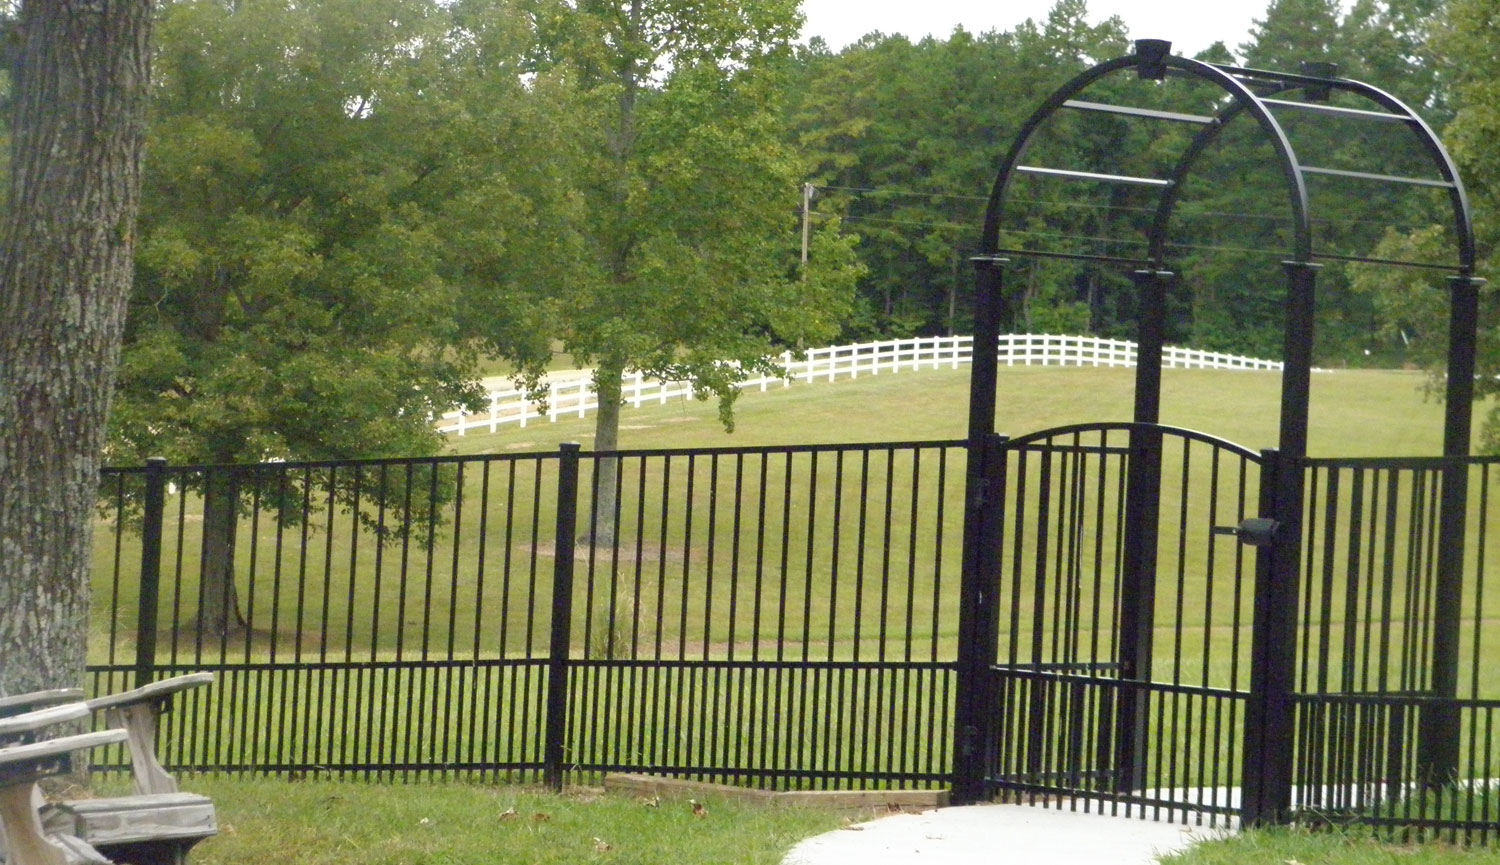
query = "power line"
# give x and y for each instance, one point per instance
(1051, 235)
(1211, 214)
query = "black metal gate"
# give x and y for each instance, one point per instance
(1120, 663)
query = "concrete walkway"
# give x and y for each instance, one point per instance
(999, 834)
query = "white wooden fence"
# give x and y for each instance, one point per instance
(575, 397)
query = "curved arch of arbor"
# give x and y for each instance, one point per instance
(1268, 99)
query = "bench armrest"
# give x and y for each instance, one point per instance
(152, 693)
(19, 760)
(137, 710)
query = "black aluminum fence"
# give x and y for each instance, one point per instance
(1397, 684)
(789, 617)
(780, 616)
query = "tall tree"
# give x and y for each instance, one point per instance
(77, 113)
(292, 299)
(689, 196)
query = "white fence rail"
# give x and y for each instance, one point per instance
(575, 397)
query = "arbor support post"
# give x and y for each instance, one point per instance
(984, 499)
(1270, 718)
(1439, 728)
(1142, 513)
(1269, 731)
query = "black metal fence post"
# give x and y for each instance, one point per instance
(562, 616)
(1296, 372)
(1269, 719)
(154, 503)
(978, 596)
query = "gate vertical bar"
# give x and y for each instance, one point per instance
(154, 503)
(976, 618)
(562, 615)
(1142, 513)
(1438, 734)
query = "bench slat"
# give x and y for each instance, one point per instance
(18, 703)
(30, 722)
(47, 749)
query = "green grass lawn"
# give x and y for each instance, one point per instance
(1295, 846)
(272, 822)
(275, 822)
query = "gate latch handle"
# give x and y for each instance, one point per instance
(1255, 531)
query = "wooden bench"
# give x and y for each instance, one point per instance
(159, 824)
(22, 764)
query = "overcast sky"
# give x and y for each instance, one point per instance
(1191, 25)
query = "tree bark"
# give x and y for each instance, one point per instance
(80, 77)
(608, 385)
(218, 601)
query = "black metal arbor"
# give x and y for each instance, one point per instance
(1085, 714)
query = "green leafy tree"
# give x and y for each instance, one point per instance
(686, 197)
(1414, 303)
(907, 137)
(291, 300)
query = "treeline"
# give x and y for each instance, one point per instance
(907, 137)
(349, 203)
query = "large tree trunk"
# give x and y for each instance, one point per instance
(607, 384)
(77, 118)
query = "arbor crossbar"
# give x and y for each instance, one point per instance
(1070, 256)
(1323, 108)
(1381, 178)
(1090, 175)
(1132, 111)
(1395, 262)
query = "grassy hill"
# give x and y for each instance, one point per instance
(1354, 412)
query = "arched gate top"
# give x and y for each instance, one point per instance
(1257, 94)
